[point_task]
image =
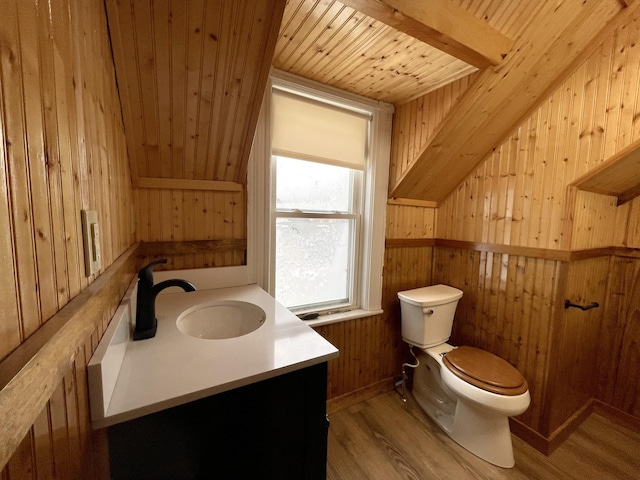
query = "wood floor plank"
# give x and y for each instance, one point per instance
(385, 438)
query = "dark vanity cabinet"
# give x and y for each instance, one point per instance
(273, 429)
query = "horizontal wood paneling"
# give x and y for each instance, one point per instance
(62, 149)
(182, 184)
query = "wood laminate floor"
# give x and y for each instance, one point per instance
(386, 439)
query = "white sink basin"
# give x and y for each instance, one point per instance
(222, 319)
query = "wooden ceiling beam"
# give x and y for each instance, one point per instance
(443, 25)
(502, 96)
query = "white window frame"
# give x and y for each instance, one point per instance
(261, 200)
(354, 214)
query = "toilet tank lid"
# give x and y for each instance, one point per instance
(430, 296)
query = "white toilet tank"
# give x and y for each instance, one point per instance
(427, 314)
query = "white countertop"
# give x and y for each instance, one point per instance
(173, 368)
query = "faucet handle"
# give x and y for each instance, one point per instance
(146, 272)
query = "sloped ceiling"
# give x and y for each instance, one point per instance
(192, 74)
(501, 96)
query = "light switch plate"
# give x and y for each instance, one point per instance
(91, 237)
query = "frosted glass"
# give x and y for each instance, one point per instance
(313, 263)
(312, 186)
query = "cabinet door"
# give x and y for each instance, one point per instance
(274, 429)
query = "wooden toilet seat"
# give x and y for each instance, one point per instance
(485, 370)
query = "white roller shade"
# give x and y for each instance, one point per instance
(310, 130)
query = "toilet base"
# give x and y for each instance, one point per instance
(486, 435)
(483, 433)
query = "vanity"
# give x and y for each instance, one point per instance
(181, 406)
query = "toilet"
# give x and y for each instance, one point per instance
(470, 393)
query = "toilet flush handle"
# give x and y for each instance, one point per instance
(429, 311)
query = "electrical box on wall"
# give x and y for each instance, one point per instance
(91, 236)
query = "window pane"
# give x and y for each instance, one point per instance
(312, 186)
(313, 263)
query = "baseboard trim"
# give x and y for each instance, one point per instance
(547, 445)
(618, 416)
(348, 399)
(529, 436)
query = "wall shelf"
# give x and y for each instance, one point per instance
(618, 176)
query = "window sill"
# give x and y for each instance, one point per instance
(341, 317)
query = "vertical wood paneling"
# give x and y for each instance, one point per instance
(593, 220)
(44, 190)
(336, 45)
(627, 228)
(371, 348)
(415, 121)
(62, 148)
(519, 196)
(176, 215)
(23, 256)
(574, 376)
(410, 222)
(592, 115)
(507, 309)
(192, 75)
(619, 352)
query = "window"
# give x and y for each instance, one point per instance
(317, 223)
(316, 220)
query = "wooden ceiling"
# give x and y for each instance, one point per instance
(192, 74)
(386, 58)
(546, 52)
(336, 45)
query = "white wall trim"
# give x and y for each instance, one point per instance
(259, 192)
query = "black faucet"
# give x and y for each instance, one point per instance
(146, 322)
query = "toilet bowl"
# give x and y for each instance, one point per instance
(468, 392)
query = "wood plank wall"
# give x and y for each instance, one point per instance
(516, 197)
(619, 354)
(415, 122)
(193, 215)
(191, 77)
(519, 197)
(62, 148)
(575, 343)
(627, 227)
(371, 348)
(505, 308)
(594, 221)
